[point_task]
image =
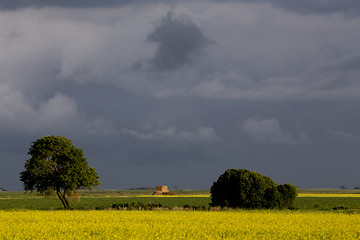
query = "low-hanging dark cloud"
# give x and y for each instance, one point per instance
(346, 7)
(21, 4)
(178, 41)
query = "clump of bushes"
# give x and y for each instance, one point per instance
(152, 206)
(195, 207)
(135, 206)
(241, 188)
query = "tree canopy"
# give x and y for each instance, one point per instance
(241, 188)
(56, 165)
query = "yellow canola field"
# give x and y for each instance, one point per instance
(178, 225)
(328, 195)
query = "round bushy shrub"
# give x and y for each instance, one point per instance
(241, 188)
(288, 194)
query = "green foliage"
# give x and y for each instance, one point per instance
(241, 188)
(104, 199)
(151, 206)
(57, 166)
(135, 206)
(30, 201)
(288, 194)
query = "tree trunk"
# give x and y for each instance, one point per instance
(66, 201)
(63, 199)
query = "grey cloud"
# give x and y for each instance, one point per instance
(349, 62)
(341, 135)
(293, 88)
(178, 40)
(201, 134)
(59, 114)
(281, 66)
(20, 4)
(347, 7)
(269, 131)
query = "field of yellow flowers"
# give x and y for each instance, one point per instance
(32, 224)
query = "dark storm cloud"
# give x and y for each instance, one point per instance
(278, 93)
(269, 131)
(347, 7)
(20, 4)
(347, 63)
(178, 40)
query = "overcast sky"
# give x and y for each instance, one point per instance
(176, 92)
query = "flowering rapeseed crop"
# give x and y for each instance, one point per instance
(178, 225)
(329, 195)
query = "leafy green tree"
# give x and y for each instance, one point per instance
(288, 194)
(241, 188)
(56, 165)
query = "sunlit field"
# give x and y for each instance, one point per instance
(329, 200)
(178, 225)
(343, 195)
(325, 215)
